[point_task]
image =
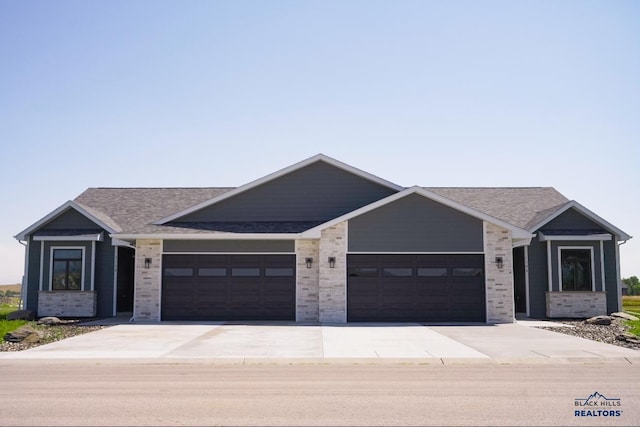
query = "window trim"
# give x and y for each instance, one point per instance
(52, 250)
(593, 266)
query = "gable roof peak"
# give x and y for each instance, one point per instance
(296, 166)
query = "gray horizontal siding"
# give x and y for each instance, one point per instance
(571, 220)
(229, 246)
(415, 224)
(70, 220)
(317, 192)
(537, 278)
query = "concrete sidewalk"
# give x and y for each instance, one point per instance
(239, 343)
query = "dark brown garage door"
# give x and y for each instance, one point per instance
(415, 288)
(228, 287)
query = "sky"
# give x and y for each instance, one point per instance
(219, 93)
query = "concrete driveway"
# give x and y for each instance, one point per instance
(239, 343)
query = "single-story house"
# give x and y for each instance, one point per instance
(323, 241)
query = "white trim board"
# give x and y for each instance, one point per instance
(78, 238)
(278, 174)
(203, 236)
(227, 253)
(564, 237)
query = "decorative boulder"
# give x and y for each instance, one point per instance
(24, 334)
(598, 320)
(624, 316)
(628, 337)
(49, 320)
(21, 315)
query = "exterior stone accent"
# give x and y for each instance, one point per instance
(307, 280)
(147, 281)
(578, 305)
(67, 303)
(332, 306)
(499, 281)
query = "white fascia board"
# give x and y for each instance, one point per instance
(116, 242)
(220, 236)
(278, 174)
(516, 232)
(564, 237)
(79, 238)
(55, 213)
(586, 212)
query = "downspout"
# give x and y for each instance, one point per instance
(619, 277)
(25, 276)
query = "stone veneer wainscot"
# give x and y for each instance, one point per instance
(333, 281)
(147, 281)
(307, 280)
(67, 303)
(499, 281)
(576, 304)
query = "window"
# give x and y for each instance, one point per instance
(67, 269)
(576, 269)
(432, 272)
(397, 272)
(278, 272)
(212, 272)
(467, 272)
(363, 272)
(178, 272)
(245, 272)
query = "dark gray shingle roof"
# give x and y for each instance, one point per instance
(133, 210)
(520, 206)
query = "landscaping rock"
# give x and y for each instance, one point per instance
(49, 320)
(24, 334)
(628, 337)
(21, 315)
(624, 316)
(598, 320)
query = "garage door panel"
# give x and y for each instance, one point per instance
(415, 287)
(229, 287)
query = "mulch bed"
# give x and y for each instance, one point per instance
(51, 334)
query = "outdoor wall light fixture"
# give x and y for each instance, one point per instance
(308, 262)
(499, 262)
(332, 262)
(147, 262)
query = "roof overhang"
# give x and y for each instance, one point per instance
(278, 174)
(60, 210)
(206, 236)
(543, 237)
(586, 212)
(516, 232)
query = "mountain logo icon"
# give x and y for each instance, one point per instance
(597, 399)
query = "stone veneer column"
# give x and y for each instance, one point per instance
(332, 294)
(307, 281)
(146, 305)
(499, 281)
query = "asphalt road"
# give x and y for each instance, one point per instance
(109, 393)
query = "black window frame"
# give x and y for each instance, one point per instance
(68, 260)
(570, 267)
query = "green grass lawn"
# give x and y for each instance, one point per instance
(631, 305)
(8, 325)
